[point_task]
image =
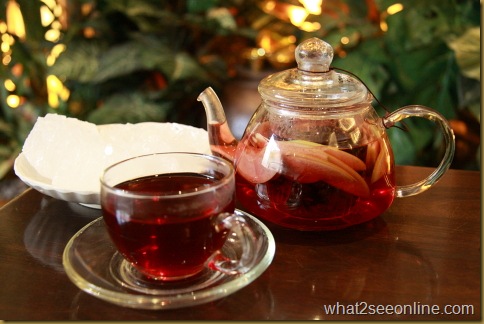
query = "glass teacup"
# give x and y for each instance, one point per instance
(170, 214)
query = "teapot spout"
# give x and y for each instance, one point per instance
(222, 141)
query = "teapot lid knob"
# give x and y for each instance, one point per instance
(314, 55)
(314, 85)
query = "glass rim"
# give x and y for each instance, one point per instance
(229, 176)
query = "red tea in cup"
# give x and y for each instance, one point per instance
(169, 214)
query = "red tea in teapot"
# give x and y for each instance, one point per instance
(312, 186)
(305, 185)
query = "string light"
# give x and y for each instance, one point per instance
(56, 19)
(9, 85)
(52, 16)
(383, 25)
(393, 9)
(314, 7)
(54, 54)
(52, 35)
(55, 91)
(6, 42)
(15, 20)
(13, 101)
(297, 15)
(5, 47)
(46, 16)
(6, 59)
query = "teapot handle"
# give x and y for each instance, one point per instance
(432, 115)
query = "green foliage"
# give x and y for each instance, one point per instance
(140, 55)
(411, 63)
(147, 60)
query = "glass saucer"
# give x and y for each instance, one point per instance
(89, 256)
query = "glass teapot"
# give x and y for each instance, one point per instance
(315, 154)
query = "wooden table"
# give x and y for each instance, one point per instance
(422, 255)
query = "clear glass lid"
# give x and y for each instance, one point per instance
(313, 84)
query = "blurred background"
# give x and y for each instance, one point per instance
(119, 61)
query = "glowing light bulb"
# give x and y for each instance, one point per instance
(13, 101)
(52, 35)
(56, 90)
(394, 8)
(310, 26)
(3, 27)
(297, 15)
(15, 21)
(312, 6)
(9, 85)
(383, 26)
(46, 16)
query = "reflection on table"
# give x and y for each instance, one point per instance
(425, 250)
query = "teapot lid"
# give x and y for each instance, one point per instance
(313, 85)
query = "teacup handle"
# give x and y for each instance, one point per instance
(238, 227)
(432, 115)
